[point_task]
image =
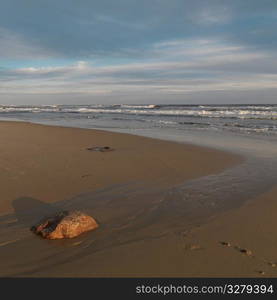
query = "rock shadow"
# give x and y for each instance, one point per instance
(29, 210)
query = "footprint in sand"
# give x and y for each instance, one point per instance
(241, 250)
(249, 253)
(244, 251)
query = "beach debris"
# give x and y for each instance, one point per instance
(193, 247)
(77, 243)
(272, 264)
(245, 251)
(100, 149)
(261, 272)
(65, 224)
(85, 175)
(227, 244)
(8, 242)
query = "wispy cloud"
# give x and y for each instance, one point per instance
(214, 15)
(213, 66)
(129, 50)
(15, 46)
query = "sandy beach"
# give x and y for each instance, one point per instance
(141, 233)
(52, 163)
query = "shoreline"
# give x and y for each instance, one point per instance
(129, 191)
(241, 156)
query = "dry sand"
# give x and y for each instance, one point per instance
(44, 166)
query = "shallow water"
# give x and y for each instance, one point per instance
(127, 214)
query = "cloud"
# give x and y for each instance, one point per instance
(92, 28)
(213, 15)
(128, 49)
(178, 70)
(79, 66)
(15, 46)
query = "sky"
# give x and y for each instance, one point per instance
(138, 51)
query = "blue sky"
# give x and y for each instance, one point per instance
(138, 51)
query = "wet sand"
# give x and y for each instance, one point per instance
(46, 169)
(52, 164)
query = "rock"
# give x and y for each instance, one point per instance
(261, 272)
(64, 225)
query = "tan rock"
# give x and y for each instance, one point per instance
(65, 225)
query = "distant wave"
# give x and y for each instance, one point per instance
(239, 112)
(260, 119)
(150, 106)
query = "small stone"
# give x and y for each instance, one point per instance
(261, 272)
(64, 225)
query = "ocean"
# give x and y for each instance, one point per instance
(259, 120)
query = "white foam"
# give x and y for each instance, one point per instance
(240, 112)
